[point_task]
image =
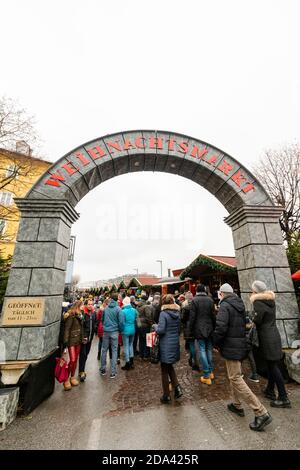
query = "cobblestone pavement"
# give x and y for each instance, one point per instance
(125, 413)
(141, 387)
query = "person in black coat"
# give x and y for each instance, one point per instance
(202, 323)
(168, 330)
(230, 337)
(269, 342)
(189, 340)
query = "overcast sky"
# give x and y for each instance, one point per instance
(226, 72)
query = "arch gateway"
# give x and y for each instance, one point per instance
(30, 320)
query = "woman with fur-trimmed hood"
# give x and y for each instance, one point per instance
(269, 342)
(168, 330)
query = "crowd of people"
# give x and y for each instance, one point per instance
(124, 321)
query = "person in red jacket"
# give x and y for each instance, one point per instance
(100, 327)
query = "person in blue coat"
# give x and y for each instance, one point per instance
(168, 330)
(129, 315)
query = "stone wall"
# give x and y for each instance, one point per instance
(38, 270)
(260, 255)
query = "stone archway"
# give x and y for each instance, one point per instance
(48, 211)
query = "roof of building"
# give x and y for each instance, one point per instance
(145, 280)
(171, 280)
(177, 272)
(229, 260)
(222, 263)
(14, 154)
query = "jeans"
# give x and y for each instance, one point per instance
(191, 343)
(99, 346)
(128, 346)
(110, 338)
(275, 377)
(144, 350)
(206, 357)
(135, 342)
(84, 352)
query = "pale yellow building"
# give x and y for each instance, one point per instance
(18, 172)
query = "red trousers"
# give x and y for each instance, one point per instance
(73, 353)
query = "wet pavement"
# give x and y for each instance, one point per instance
(125, 413)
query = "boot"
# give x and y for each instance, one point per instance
(165, 399)
(205, 380)
(234, 409)
(126, 366)
(212, 376)
(281, 403)
(67, 385)
(178, 392)
(82, 376)
(74, 382)
(269, 394)
(260, 422)
(131, 363)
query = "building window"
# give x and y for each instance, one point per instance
(12, 171)
(6, 198)
(2, 226)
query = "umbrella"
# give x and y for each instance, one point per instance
(296, 276)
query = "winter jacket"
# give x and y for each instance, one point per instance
(73, 331)
(185, 319)
(111, 318)
(129, 315)
(145, 314)
(156, 309)
(168, 330)
(89, 324)
(99, 324)
(230, 331)
(202, 316)
(265, 319)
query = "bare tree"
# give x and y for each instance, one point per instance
(16, 125)
(17, 137)
(279, 172)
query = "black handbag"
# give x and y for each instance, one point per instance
(253, 337)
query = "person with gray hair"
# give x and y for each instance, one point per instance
(270, 347)
(230, 337)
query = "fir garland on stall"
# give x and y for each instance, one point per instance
(201, 260)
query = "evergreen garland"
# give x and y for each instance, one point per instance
(202, 260)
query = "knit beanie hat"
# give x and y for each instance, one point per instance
(259, 286)
(226, 288)
(126, 301)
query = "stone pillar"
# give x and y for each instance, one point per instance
(260, 255)
(38, 270)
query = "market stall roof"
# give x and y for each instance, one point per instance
(171, 280)
(122, 285)
(296, 276)
(221, 263)
(177, 272)
(139, 281)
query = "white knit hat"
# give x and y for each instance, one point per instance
(259, 286)
(126, 301)
(226, 288)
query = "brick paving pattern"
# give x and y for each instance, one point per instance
(141, 388)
